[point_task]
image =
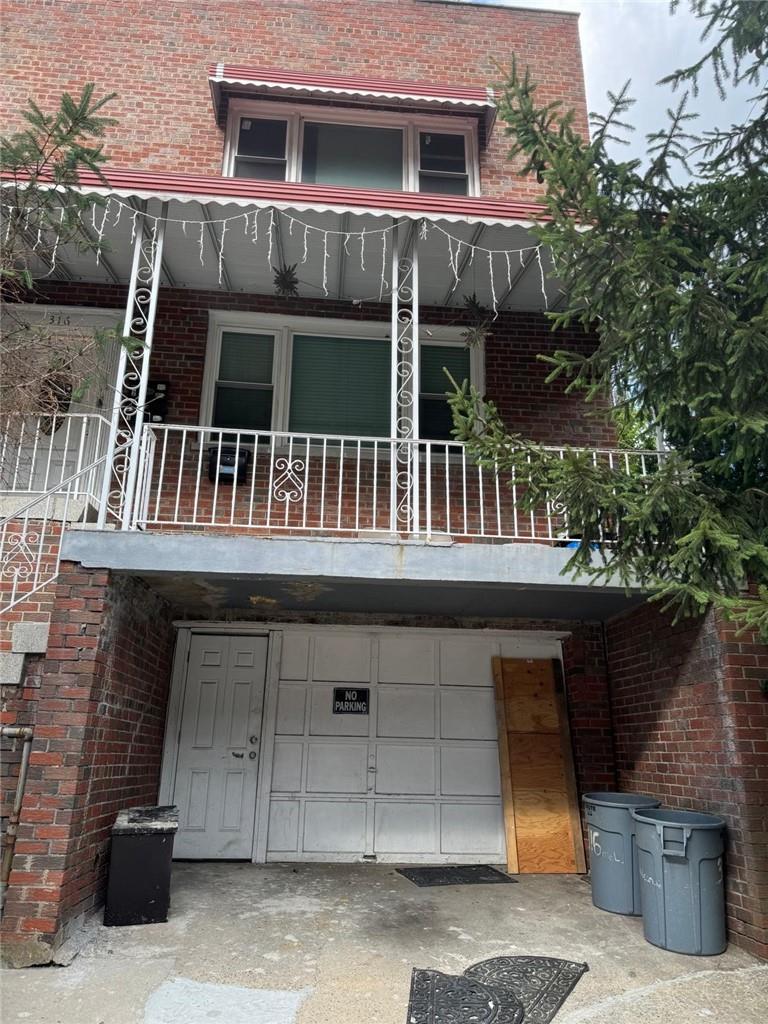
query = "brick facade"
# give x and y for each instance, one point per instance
(673, 710)
(97, 702)
(691, 727)
(515, 378)
(155, 57)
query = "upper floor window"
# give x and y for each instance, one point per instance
(331, 147)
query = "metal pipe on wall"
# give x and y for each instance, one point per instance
(25, 734)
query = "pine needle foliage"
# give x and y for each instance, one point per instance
(42, 211)
(670, 269)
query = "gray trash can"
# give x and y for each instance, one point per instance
(680, 860)
(612, 857)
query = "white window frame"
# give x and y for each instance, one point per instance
(283, 329)
(296, 117)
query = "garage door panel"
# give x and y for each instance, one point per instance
(405, 770)
(406, 711)
(283, 828)
(291, 710)
(286, 767)
(405, 828)
(469, 771)
(466, 662)
(471, 828)
(467, 714)
(342, 658)
(333, 768)
(407, 659)
(294, 657)
(323, 722)
(334, 827)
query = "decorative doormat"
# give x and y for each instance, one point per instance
(503, 990)
(462, 874)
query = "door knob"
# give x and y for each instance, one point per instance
(235, 753)
(253, 739)
(251, 754)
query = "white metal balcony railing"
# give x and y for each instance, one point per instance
(38, 453)
(199, 478)
(204, 478)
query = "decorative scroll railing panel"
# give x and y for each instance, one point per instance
(31, 533)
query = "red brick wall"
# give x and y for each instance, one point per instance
(515, 376)
(589, 708)
(691, 726)
(155, 57)
(97, 703)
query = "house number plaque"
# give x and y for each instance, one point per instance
(347, 701)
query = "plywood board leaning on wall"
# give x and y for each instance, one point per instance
(538, 782)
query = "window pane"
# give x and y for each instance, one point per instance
(435, 419)
(446, 185)
(260, 137)
(242, 408)
(340, 386)
(439, 152)
(246, 357)
(345, 154)
(454, 358)
(263, 170)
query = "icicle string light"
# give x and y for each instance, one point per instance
(461, 253)
(221, 252)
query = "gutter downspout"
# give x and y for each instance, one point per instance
(25, 734)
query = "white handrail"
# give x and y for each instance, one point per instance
(30, 536)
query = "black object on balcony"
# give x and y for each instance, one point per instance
(226, 464)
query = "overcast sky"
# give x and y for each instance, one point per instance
(641, 40)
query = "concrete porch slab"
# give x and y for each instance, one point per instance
(338, 942)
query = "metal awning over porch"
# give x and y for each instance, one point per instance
(233, 234)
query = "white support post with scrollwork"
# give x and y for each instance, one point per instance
(404, 482)
(127, 420)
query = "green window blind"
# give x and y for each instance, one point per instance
(349, 154)
(340, 386)
(243, 397)
(435, 419)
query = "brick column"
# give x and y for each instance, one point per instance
(98, 716)
(691, 727)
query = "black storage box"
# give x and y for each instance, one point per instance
(226, 463)
(139, 886)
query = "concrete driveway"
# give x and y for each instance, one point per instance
(335, 944)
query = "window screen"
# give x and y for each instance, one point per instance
(340, 386)
(348, 154)
(243, 397)
(261, 149)
(443, 163)
(435, 419)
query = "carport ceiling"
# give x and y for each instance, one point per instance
(208, 595)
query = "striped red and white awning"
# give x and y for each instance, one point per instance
(226, 78)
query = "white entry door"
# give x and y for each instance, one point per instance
(219, 741)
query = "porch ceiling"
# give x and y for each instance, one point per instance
(206, 595)
(235, 243)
